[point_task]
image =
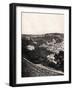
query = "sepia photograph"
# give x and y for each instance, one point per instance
(42, 44)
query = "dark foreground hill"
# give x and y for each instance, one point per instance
(30, 69)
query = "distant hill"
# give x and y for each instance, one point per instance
(45, 37)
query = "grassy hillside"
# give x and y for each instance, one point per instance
(31, 70)
(45, 49)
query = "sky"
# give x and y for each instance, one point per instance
(36, 23)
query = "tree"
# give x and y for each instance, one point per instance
(59, 58)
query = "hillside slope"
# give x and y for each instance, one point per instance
(30, 70)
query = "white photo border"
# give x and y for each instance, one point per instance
(26, 80)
